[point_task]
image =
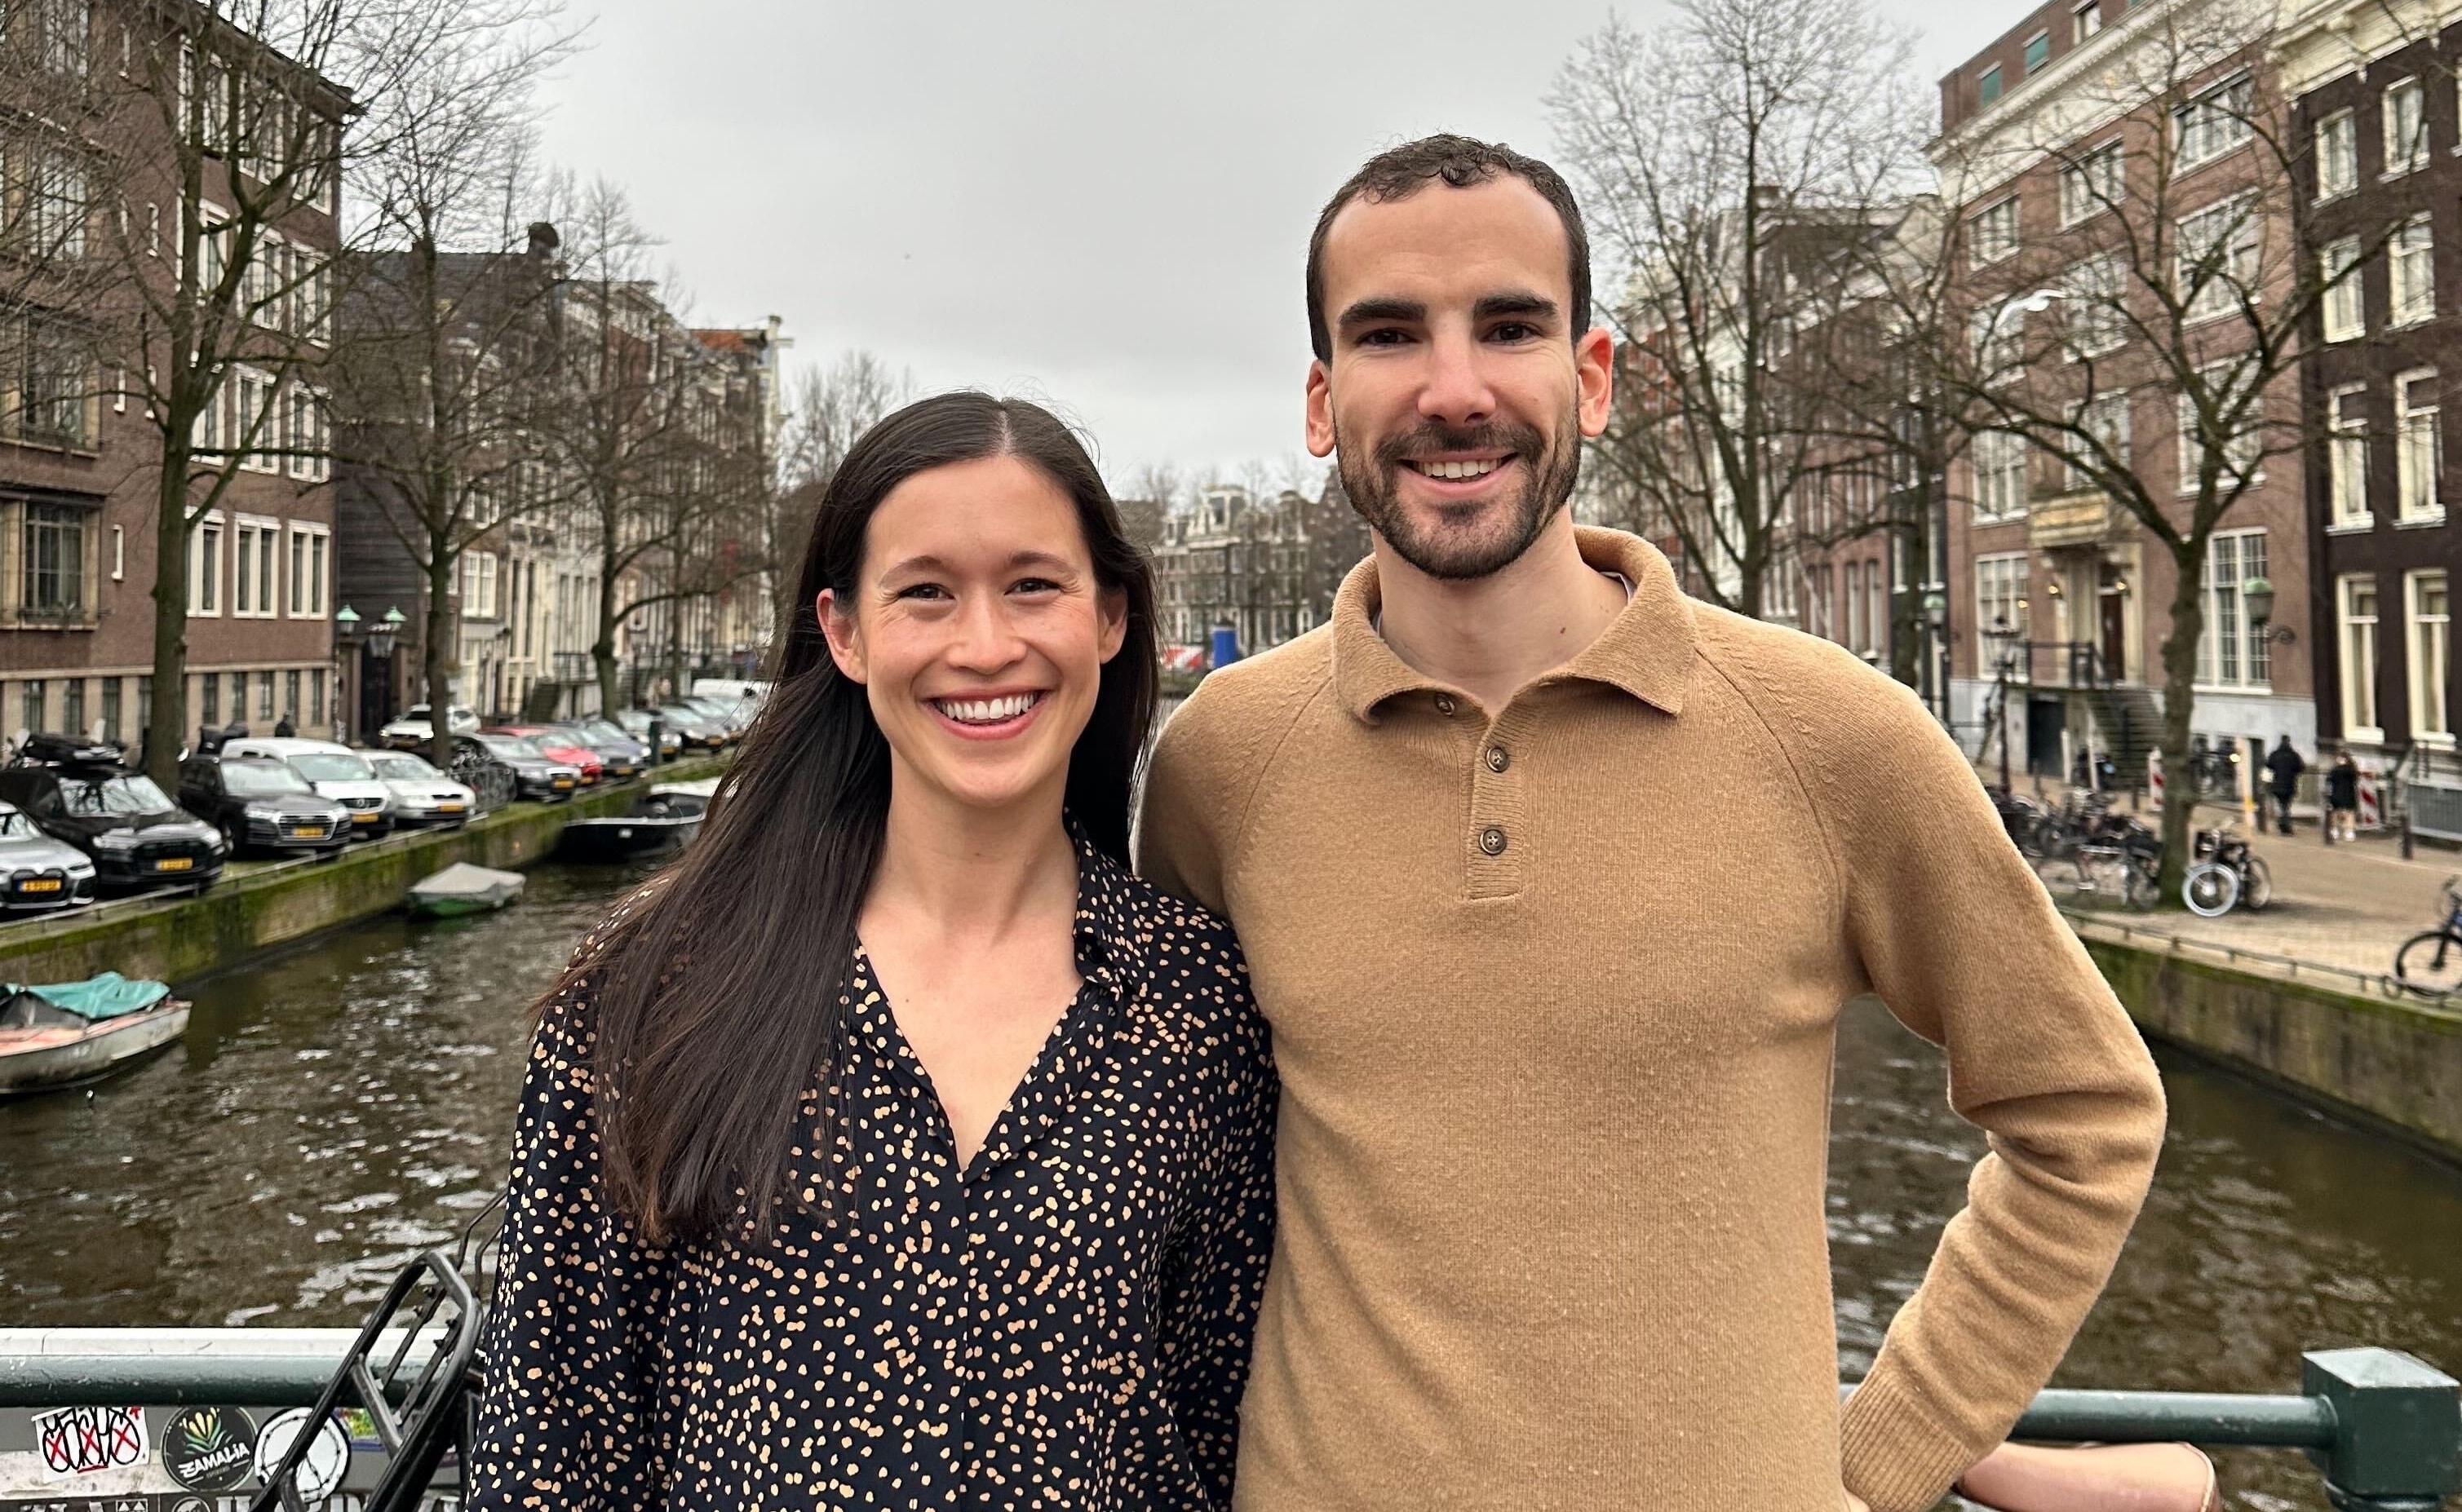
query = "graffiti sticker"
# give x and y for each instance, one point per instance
(83, 1440)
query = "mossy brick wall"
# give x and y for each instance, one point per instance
(2394, 1065)
(179, 938)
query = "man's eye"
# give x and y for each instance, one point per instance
(1386, 338)
(1514, 330)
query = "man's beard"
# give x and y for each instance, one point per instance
(1487, 545)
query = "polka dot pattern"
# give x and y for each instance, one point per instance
(1065, 1324)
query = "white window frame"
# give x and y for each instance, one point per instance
(2097, 318)
(2419, 452)
(2236, 276)
(2097, 181)
(2251, 663)
(2084, 20)
(2337, 140)
(207, 539)
(1993, 232)
(2342, 307)
(2360, 654)
(2428, 644)
(1998, 460)
(2185, 417)
(309, 543)
(306, 435)
(2214, 124)
(253, 392)
(2401, 158)
(2105, 416)
(255, 539)
(2001, 583)
(2410, 268)
(2346, 461)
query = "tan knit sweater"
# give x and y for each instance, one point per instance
(1553, 992)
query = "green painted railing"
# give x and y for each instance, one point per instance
(2384, 1427)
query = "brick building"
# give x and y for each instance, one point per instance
(1267, 568)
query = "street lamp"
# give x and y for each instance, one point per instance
(2256, 597)
(2003, 641)
(346, 682)
(1935, 605)
(381, 633)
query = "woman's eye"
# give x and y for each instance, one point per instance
(925, 591)
(1035, 585)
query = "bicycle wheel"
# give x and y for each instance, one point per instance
(2256, 885)
(2210, 890)
(2431, 964)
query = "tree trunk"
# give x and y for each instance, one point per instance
(169, 708)
(437, 669)
(2179, 702)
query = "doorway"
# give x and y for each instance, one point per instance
(2111, 594)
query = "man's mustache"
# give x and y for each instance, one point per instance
(1425, 440)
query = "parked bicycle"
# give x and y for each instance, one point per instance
(2105, 853)
(2430, 963)
(2225, 874)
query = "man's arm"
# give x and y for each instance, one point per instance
(1958, 936)
(1186, 806)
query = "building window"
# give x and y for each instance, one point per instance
(2216, 258)
(2431, 658)
(55, 550)
(52, 383)
(2242, 449)
(2343, 313)
(2419, 449)
(2405, 127)
(30, 712)
(55, 207)
(112, 714)
(315, 694)
(2337, 155)
(263, 695)
(206, 568)
(1995, 231)
(2228, 655)
(72, 708)
(2000, 593)
(257, 420)
(1988, 88)
(2104, 445)
(479, 585)
(253, 564)
(307, 436)
(1999, 476)
(2094, 183)
(308, 548)
(2346, 457)
(290, 695)
(2038, 50)
(2212, 124)
(2086, 20)
(2097, 316)
(2356, 606)
(209, 709)
(2413, 260)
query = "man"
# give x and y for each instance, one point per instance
(1555, 1051)
(2282, 768)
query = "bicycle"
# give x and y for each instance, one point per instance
(2430, 963)
(2226, 874)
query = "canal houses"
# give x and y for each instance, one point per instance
(164, 171)
(2375, 95)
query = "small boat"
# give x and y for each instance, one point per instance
(68, 1032)
(462, 888)
(664, 819)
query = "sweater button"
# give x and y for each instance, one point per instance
(1445, 705)
(1492, 840)
(1497, 759)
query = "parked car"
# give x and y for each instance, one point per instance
(422, 795)
(736, 698)
(36, 872)
(699, 730)
(128, 827)
(535, 774)
(636, 723)
(260, 804)
(335, 770)
(727, 714)
(416, 729)
(558, 744)
(624, 755)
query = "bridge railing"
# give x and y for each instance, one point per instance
(2384, 1428)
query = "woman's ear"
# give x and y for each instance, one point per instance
(1112, 605)
(846, 641)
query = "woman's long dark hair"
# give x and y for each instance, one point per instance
(716, 994)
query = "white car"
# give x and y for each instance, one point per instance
(422, 795)
(414, 729)
(334, 770)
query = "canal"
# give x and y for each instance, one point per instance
(340, 1106)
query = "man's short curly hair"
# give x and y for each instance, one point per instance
(1461, 161)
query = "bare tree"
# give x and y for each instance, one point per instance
(2142, 364)
(1730, 162)
(826, 409)
(1147, 500)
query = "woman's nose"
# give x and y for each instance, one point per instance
(986, 639)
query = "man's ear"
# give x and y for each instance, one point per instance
(1112, 605)
(846, 642)
(1320, 410)
(1594, 378)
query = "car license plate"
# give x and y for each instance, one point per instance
(307, 832)
(564, 782)
(449, 807)
(39, 884)
(365, 816)
(176, 863)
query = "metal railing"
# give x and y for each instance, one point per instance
(2382, 1427)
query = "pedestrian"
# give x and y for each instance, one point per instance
(284, 728)
(1556, 1056)
(901, 1148)
(2343, 796)
(2283, 770)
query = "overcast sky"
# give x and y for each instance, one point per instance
(1101, 203)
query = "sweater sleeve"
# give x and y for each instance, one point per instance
(1187, 807)
(1958, 936)
(569, 1419)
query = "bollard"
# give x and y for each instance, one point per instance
(2397, 1420)
(657, 740)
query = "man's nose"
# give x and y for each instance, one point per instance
(1456, 390)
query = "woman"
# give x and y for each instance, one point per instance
(896, 1147)
(2342, 797)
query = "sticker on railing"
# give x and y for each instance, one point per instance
(320, 1470)
(209, 1448)
(85, 1440)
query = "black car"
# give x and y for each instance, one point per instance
(136, 836)
(534, 775)
(260, 804)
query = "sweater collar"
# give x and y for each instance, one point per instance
(1646, 651)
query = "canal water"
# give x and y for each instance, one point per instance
(338, 1107)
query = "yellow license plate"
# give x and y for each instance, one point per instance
(564, 782)
(365, 818)
(39, 884)
(177, 863)
(449, 807)
(306, 831)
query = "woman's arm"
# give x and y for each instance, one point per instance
(570, 1420)
(1217, 1271)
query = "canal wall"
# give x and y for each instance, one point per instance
(2391, 1065)
(173, 938)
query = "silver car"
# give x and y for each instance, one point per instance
(37, 871)
(422, 795)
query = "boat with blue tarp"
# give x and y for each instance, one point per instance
(65, 1033)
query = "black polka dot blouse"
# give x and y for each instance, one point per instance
(1066, 1324)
